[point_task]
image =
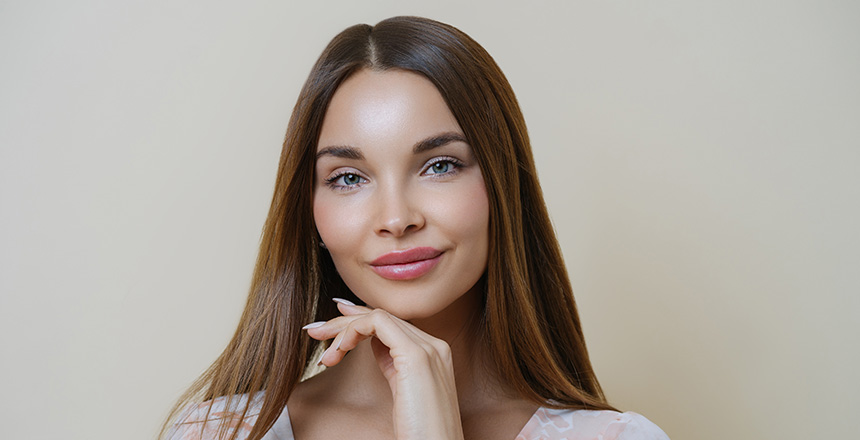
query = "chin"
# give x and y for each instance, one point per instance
(427, 308)
(409, 310)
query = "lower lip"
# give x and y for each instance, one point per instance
(407, 271)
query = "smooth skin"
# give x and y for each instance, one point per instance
(394, 172)
(418, 368)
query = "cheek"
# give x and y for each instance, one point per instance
(466, 213)
(333, 226)
(321, 213)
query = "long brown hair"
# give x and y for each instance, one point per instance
(530, 319)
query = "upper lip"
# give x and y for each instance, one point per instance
(407, 256)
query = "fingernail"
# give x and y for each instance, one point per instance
(337, 344)
(343, 301)
(314, 325)
(319, 360)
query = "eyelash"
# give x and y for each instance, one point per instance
(443, 159)
(332, 181)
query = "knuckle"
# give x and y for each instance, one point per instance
(439, 345)
(443, 348)
(443, 353)
(379, 314)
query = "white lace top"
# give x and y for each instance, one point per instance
(545, 424)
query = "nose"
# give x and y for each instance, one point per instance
(399, 211)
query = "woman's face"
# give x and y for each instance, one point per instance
(399, 199)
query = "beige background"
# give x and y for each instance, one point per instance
(700, 160)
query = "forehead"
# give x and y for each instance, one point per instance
(392, 107)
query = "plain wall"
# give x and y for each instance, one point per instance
(700, 161)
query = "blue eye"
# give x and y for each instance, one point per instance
(351, 179)
(440, 167)
(345, 181)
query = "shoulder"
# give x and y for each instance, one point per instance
(203, 421)
(551, 424)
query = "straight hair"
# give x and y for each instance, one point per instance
(530, 322)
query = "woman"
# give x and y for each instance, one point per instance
(406, 184)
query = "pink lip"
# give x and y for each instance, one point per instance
(406, 264)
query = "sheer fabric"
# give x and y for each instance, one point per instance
(545, 423)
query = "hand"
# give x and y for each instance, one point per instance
(418, 367)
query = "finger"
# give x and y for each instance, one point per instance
(322, 330)
(349, 308)
(338, 350)
(384, 327)
(334, 353)
(331, 355)
(427, 342)
(352, 334)
(392, 331)
(430, 341)
(433, 347)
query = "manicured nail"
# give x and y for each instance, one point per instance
(314, 325)
(319, 360)
(337, 343)
(343, 301)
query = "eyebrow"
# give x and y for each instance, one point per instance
(435, 141)
(344, 152)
